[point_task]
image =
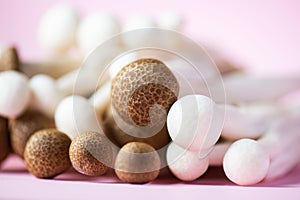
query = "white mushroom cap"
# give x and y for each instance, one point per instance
(45, 94)
(184, 164)
(95, 29)
(57, 28)
(14, 95)
(195, 122)
(137, 22)
(75, 115)
(246, 162)
(171, 20)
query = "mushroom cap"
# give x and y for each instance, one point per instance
(143, 91)
(184, 164)
(47, 153)
(75, 115)
(137, 162)
(91, 153)
(57, 28)
(15, 93)
(246, 162)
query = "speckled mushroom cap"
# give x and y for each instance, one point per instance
(91, 153)
(24, 126)
(4, 143)
(47, 153)
(139, 87)
(137, 162)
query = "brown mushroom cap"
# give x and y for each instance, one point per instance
(47, 153)
(24, 126)
(143, 83)
(137, 162)
(91, 153)
(9, 59)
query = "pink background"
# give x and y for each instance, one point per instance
(261, 35)
(264, 36)
(17, 183)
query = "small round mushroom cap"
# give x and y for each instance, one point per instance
(45, 94)
(14, 95)
(137, 162)
(74, 115)
(246, 162)
(47, 153)
(95, 29)
(91, 153)
(195, 122)
(186, 165)
(57, 28)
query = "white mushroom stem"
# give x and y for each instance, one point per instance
(241, 122)
(100, 99)
(282, 144)
(53, 68)
(241, 87)
(217, 154)
(92, 73)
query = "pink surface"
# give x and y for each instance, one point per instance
(17, 183)
(262, 35)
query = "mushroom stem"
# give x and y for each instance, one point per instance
(217, 154)
(53, 68)
(282, 144)
(241, 122)
(242, 88)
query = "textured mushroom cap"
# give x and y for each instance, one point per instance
(137, 162)
(4, 143)
(9, 59)
(91, 153)
(145, 84)
(24, 126)
(15, 93)
(47, 153)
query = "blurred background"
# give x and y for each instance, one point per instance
(262, 36)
